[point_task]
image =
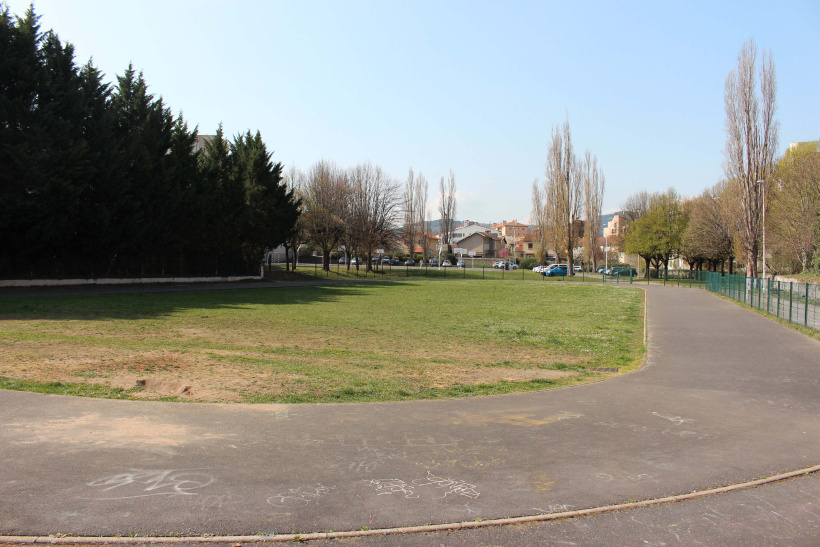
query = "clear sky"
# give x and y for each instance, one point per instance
(470, 86)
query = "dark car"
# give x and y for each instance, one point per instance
(622, 271)
(394, 261)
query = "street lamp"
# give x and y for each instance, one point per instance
(762, 183)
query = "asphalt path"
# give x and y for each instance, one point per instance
(726, 396)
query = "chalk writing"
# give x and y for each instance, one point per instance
(689, 434)
(472, 457)
(555, 508)
(392, 486)
(620, 476)
(444, 486)
(299, 497)
(371, 457)
(448, 486)
(140, 483)
(677, 420)
(219, 502)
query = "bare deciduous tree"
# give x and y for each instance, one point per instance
(564, 189)
(422, 216)
(325, 195)
(751, 139)
(540, 218)
(594, 183)
(410, 209)
(708, 237)
(415, 212)
(447, 209)
(374, 199)
(295, 179)
(636, 206)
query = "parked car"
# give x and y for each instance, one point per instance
(576, 268)
(446, 264)
(461, 264)
(434, 262)
(538, 269)
(343, 261)
(555, 270)
(355, 261)
(409, 262)
(600, 270)
(394, 261)
(622, 271)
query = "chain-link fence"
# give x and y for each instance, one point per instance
(787, 300)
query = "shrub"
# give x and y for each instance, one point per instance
(528, 264)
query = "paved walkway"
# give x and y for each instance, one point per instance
(727, 396)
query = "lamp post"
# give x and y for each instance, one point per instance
(762, 183)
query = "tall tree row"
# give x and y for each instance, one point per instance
(751, 140)
(102, 180)
(571, 189)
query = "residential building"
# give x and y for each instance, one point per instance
(483, 244)
(512, 230)
(201, 141)
(616, 226)
(469, 228)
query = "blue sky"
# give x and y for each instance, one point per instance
(470, 86)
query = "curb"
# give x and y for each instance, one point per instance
(283, 538)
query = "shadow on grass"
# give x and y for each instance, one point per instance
(146, 305)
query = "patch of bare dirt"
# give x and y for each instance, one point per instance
(489, 375)
(227, 365)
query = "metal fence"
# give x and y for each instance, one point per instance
(787, 300)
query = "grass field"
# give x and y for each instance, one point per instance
(364, 342)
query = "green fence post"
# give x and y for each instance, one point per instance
(482, 270)
(791, 294)
(768, 296)
(806, 309)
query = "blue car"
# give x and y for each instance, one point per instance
(556, 270)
